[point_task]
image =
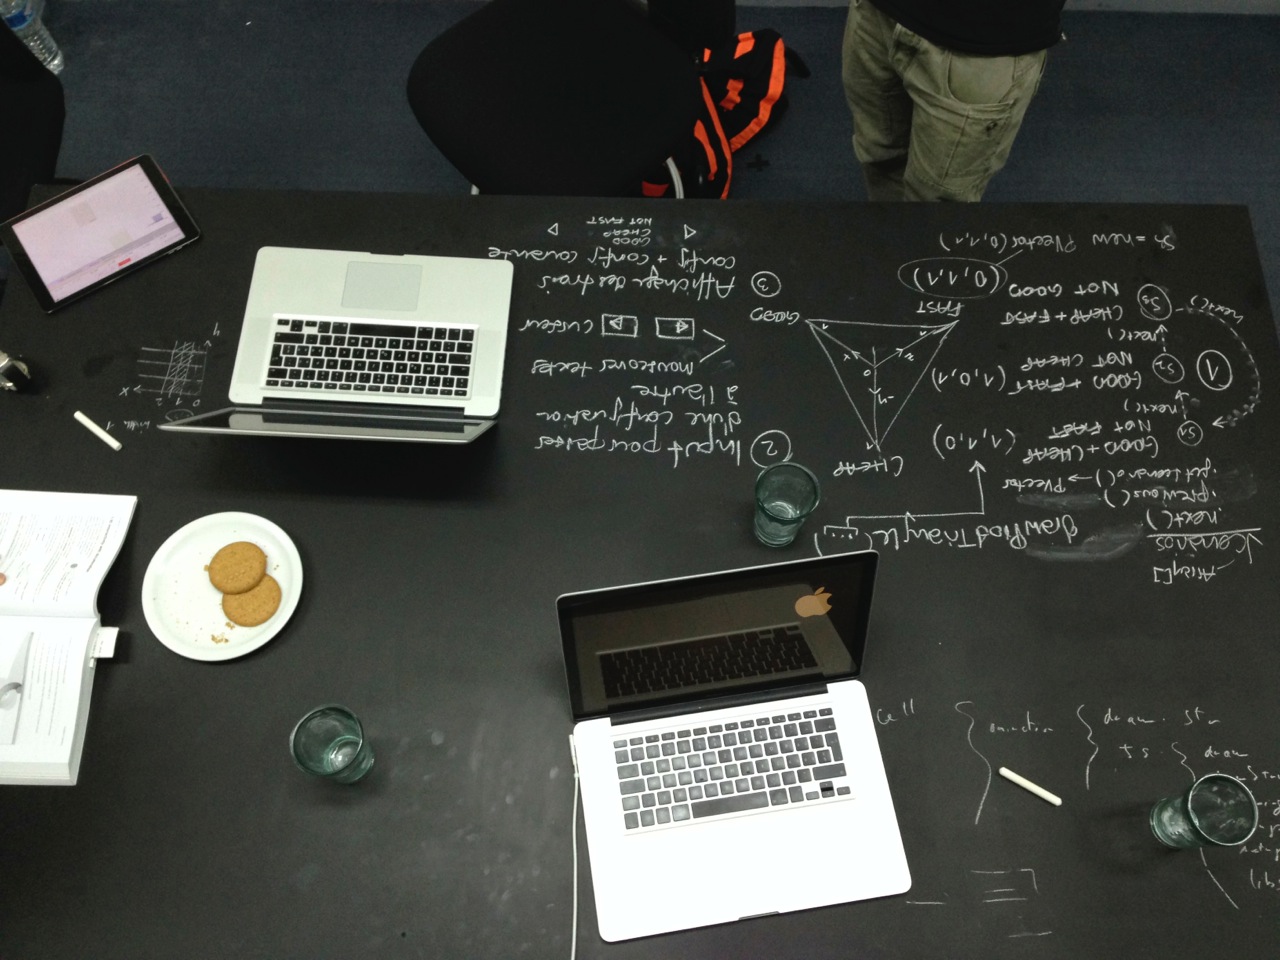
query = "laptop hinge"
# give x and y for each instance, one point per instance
(718, 703)
(332, 405)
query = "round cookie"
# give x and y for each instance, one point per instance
(254, 606)
(237, 567)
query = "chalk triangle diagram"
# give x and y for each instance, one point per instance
(879, 365)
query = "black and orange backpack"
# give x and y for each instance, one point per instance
(743, 92)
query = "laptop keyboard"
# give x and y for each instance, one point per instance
(764, 763)
(687, 663)
(351, 356)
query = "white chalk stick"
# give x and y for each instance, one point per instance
(97, 431)
(1026, 784)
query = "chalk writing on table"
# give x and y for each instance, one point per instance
(765, 283)
(659, 390)
(1004, 895)
(1196, 740)
(171, 373)
(1094, 428)
(879, 366)
(1170, 370)
(1117, 754)
(170, 378)
(1122, 751)
(770, 447)
(964, 707)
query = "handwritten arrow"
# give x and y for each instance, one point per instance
(717, 349)
(1181, 397)
(977, 470)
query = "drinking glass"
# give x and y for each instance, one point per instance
(329, 742)
(786, 493)
(1216, 810)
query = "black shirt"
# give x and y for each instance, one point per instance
(988, 27)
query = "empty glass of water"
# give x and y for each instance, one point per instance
(1216, 810)
(329, 742)
(786, 493)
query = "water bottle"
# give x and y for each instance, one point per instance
(23, 18)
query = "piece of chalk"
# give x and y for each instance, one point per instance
(97, 431)
(1026, 784)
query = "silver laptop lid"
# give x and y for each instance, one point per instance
(408, 292)
(765, 628)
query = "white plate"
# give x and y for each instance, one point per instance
(184, 610)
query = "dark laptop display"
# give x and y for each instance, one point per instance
(683, 641)
(720, 725)
(309, 419)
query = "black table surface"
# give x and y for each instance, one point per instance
(1051, 421)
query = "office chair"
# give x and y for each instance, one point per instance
(32, 113)
(556, 97)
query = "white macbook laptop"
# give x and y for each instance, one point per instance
(727, 757)
(367, 346)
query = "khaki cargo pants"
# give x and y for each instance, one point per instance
(930, 123)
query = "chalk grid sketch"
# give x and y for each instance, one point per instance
(175, 372)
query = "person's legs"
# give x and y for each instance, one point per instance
(880, 106)
(968, 110)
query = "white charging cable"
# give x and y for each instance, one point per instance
(573, 830)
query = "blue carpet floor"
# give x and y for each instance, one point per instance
(308, 94)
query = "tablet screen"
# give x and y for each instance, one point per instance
(99, 230)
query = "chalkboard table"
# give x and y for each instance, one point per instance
(1049, 420)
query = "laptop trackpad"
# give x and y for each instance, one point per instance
(382, 286)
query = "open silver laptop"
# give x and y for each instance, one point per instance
(367, 346)
(726, 754)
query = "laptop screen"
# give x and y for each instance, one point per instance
(368, 423)
(689, 639)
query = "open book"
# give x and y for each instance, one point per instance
(55, 550)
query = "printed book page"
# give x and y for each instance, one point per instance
(45, 669)
(56, 548)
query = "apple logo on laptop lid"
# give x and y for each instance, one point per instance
(813, 604)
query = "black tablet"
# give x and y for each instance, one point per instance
(97, 232)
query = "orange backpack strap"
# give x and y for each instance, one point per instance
(714, 143)
(705, 160)
(747, 78)
(776, 80)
